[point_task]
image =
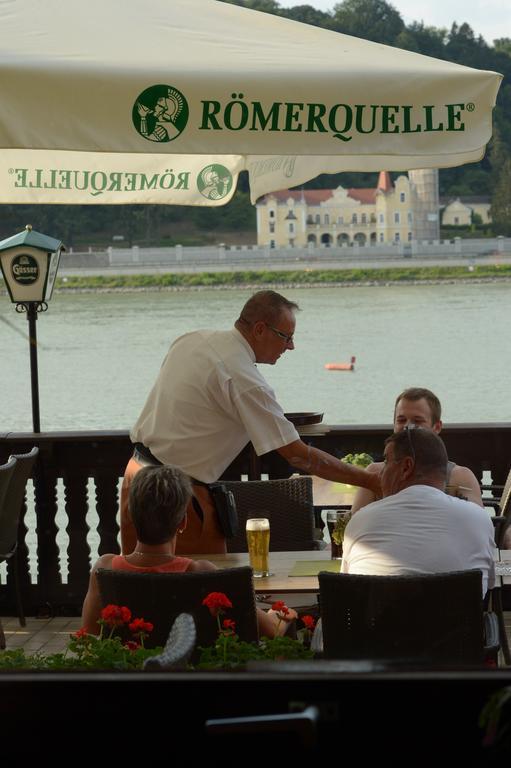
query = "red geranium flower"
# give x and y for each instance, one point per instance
(131, 645)
(216, 602)
(280, 607)
(229, 624)
(309, 622)
(80, 634)
(116, 615)
(139, 625)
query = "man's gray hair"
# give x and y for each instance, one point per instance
(425, 447)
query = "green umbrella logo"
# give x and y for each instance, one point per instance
(160, 113)
(214, 182)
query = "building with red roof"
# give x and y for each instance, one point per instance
(388, 213)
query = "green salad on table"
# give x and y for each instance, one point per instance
(358, 459)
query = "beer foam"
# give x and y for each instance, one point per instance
(258, 524)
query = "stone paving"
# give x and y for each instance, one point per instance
(49, 635)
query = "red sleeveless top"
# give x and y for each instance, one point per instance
(176, 565)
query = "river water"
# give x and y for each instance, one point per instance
(99, 353)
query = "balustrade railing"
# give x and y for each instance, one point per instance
(72, 513)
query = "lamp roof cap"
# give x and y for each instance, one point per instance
(32, 238)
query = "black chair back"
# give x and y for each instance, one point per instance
(504, 516)
(10, 509)
(286, 503)
(6, 473)
(422, 619)
(161, 597)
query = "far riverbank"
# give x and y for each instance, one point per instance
(366, 276)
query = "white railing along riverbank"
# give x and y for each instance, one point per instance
(221, 258)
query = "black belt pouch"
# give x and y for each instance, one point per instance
(225, 506)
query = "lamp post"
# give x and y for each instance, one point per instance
(29, 262)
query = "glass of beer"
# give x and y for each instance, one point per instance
(258, 540)
(336, 522)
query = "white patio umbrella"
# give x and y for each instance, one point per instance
(165, 101)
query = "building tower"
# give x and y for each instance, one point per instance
(424, 183)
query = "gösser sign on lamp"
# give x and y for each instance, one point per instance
(29, 262)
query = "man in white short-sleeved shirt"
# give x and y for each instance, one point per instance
(209, 401)
(417, 527)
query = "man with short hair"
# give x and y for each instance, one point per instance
(421, 407)
(209, 401)
(417, 527)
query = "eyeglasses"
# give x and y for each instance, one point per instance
(288, 338)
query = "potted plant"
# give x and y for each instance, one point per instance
(110, 651)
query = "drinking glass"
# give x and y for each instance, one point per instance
(336, 523)
(258, 540)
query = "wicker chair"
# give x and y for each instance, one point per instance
(286, 503)
(502, 518)
(6, 473)
(427, 619)
(10, 512)
(161, 597)
(178, 648)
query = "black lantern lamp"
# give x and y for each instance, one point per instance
(29, 262)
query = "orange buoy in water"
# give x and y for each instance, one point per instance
(341, 366)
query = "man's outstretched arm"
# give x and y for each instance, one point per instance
(364, 496)
(313, 461)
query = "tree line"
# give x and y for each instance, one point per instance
(374, 20)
